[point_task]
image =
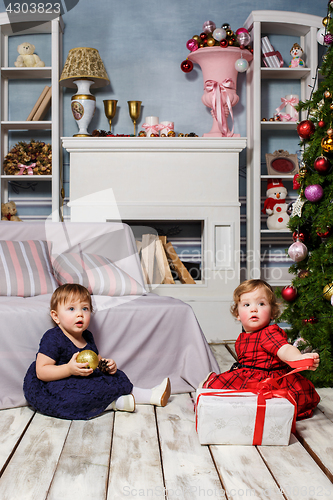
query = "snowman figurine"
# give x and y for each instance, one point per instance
(275, 205)
(296, 53)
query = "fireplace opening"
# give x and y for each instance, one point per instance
(180, 241)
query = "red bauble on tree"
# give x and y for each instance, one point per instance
(321, 124)
(322, 164)
(289, 293)
(305, 129)
(301, 235)
(186, 66)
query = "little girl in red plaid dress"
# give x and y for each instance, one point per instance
(263, 349)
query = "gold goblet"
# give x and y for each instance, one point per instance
(134, 108)
(110, 107)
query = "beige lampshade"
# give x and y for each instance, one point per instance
(84, 63)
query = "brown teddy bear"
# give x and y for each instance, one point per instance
(9, 211)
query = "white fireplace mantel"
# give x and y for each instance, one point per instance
(169, 179)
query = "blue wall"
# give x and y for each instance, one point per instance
(142, 43)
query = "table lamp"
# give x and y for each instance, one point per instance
(83, 69)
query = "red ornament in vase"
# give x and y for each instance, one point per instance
(305, 129)
(186, 66)
(220, 79)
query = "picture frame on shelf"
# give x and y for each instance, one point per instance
(282, 163)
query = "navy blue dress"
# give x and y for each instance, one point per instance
(74, 397)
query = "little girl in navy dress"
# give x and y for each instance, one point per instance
(263, 349)
(56, 385)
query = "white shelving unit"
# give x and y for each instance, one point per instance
(54, 27)
(265, 23)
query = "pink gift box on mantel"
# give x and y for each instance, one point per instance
(243, 418)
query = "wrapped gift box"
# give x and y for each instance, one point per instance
(232, 417)
(271, 58)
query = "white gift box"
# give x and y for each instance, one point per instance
(231, 418)
(272, 58)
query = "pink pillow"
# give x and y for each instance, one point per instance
(97, 273)
(25, 269)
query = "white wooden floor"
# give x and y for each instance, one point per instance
(155, 453)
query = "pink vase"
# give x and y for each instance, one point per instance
(220, 80)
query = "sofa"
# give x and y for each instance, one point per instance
(150, 337)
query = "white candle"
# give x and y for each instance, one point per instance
(290, 108)
(151, 123)
(167, 127)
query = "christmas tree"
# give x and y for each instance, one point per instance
(309, 300)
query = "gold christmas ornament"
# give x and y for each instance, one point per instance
(327, 94)
(327, 144)
(88, 356)
(325, 21)
(330, 131)
(210, 42)
(328, 291)
(331, 106)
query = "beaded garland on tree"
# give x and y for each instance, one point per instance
(33, 158)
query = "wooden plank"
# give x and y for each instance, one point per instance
(296, 473)
(29, 473)
(83, 467)
(244, 473)
(222, 356)
(189, 471)
(183, 274)
(13, 423)
(163, 265)
(148, 255)
(316, 435)
(326, 401)
(135, 469)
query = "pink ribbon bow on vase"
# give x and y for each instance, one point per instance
(152, 129)
(293, 101)
(26, 167)
(218, 112)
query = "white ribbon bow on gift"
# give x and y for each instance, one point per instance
(217, 103)
(293, 101)
(26, 167)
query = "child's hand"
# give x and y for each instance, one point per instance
(111, 366)
(78, 369)
(315, 357)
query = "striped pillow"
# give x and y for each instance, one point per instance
(97, 273)
(25, 269)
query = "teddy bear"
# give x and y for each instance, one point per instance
(9, 211)
(27, 58)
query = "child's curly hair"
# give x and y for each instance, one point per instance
(68, 292)
(249, 286)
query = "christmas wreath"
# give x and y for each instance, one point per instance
(33, 158)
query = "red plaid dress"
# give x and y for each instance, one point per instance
(258, 350)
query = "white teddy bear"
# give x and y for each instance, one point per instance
(27, 58)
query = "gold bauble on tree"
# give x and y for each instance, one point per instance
(88, 356)
(327, 94)
(327, 144)
(328, 291)
(325, 21)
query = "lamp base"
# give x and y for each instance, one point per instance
(83, 105)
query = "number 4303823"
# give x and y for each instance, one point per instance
(33, 8)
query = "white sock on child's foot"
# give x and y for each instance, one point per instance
(123, 403)
(157, 396)
(142, 396)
